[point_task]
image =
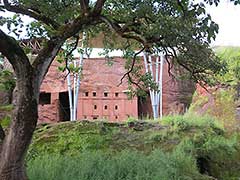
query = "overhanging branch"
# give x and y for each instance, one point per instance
(48, 53)
(98, 6)
(121, 31)
(131, 69)
(84, 5)
(31, 12)
(69, 54)
(10, 48)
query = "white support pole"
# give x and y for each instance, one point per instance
(70, 95)
(78, 79)
(73, 88)
(147, 71)
(161, 85)
(154, 103)
(155, 95)
(78, 86)
(157, 82)
(74, 91)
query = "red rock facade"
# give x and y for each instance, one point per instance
(101, 96)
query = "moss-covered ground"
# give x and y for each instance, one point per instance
(213, 152)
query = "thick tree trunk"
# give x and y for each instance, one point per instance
(21, 130)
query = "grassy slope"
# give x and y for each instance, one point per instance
(231, 56)
(199, 138)
(227, 51)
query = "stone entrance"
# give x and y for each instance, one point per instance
(64, 110)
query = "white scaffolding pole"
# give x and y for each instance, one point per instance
(156, 80)
(145, 57)
(69, 83)
(161, 85)
(78, 82)
(73, 88)
(155, 95)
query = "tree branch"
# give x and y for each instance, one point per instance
(48, 53)
(84, 6)
(98, 6)
(10, 48)
(69, 53)
(45, 58)
(115, 27)
(31, 12)
(131, 69)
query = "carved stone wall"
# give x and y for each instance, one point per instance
(101, 96)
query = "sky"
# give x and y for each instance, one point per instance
(227, 16)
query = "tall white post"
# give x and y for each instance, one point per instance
(155, 95)
(78, 81)
(161, 85)
(156, 80)
(69, 83)
(73, 89)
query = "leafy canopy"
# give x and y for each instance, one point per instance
(181, 29)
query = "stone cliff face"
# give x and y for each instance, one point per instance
(177, 95)
(100, 78)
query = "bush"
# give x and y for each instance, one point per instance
(191, 120)
(123, 166)
(220, 105)
(215, 155)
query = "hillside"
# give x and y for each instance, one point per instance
(187, 146)
(227, 51)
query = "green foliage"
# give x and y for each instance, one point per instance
(218, 155)
(5, 122)
(188, 143)
(189, 121)
(8, 108)
(231, 56)
(160, 26)
(14, 24)
(126, 165)
(6, 111)
(220, 105)
(175, 27)
(7, 80)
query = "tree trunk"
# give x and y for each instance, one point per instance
(23, 123)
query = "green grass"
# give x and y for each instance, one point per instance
(6, 108)
(123, 166)
(181, 141)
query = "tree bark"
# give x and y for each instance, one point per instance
(29, 78)
(24, 121)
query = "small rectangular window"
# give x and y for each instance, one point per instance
(116, 94)
(116, 117)
(95, 117)
(94, 94)
(86, 94)
(44, 98)
(116, 107)
(105, 94)
(105, 107)
(95, 106)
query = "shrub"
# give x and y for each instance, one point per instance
(123, 166)
(191, 120)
